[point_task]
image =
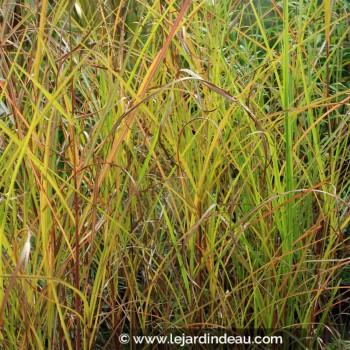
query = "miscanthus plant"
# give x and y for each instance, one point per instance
(171, 165)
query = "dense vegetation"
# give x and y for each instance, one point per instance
(173, 164)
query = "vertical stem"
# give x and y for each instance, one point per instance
(40, 41)
(288, 238)
(77, 243)
(327, 20)
(76, 202)
(199, 254)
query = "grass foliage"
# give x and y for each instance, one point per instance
(172, 165)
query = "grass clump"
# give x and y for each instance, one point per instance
(176, 165)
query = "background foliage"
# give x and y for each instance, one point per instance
(173, 165)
